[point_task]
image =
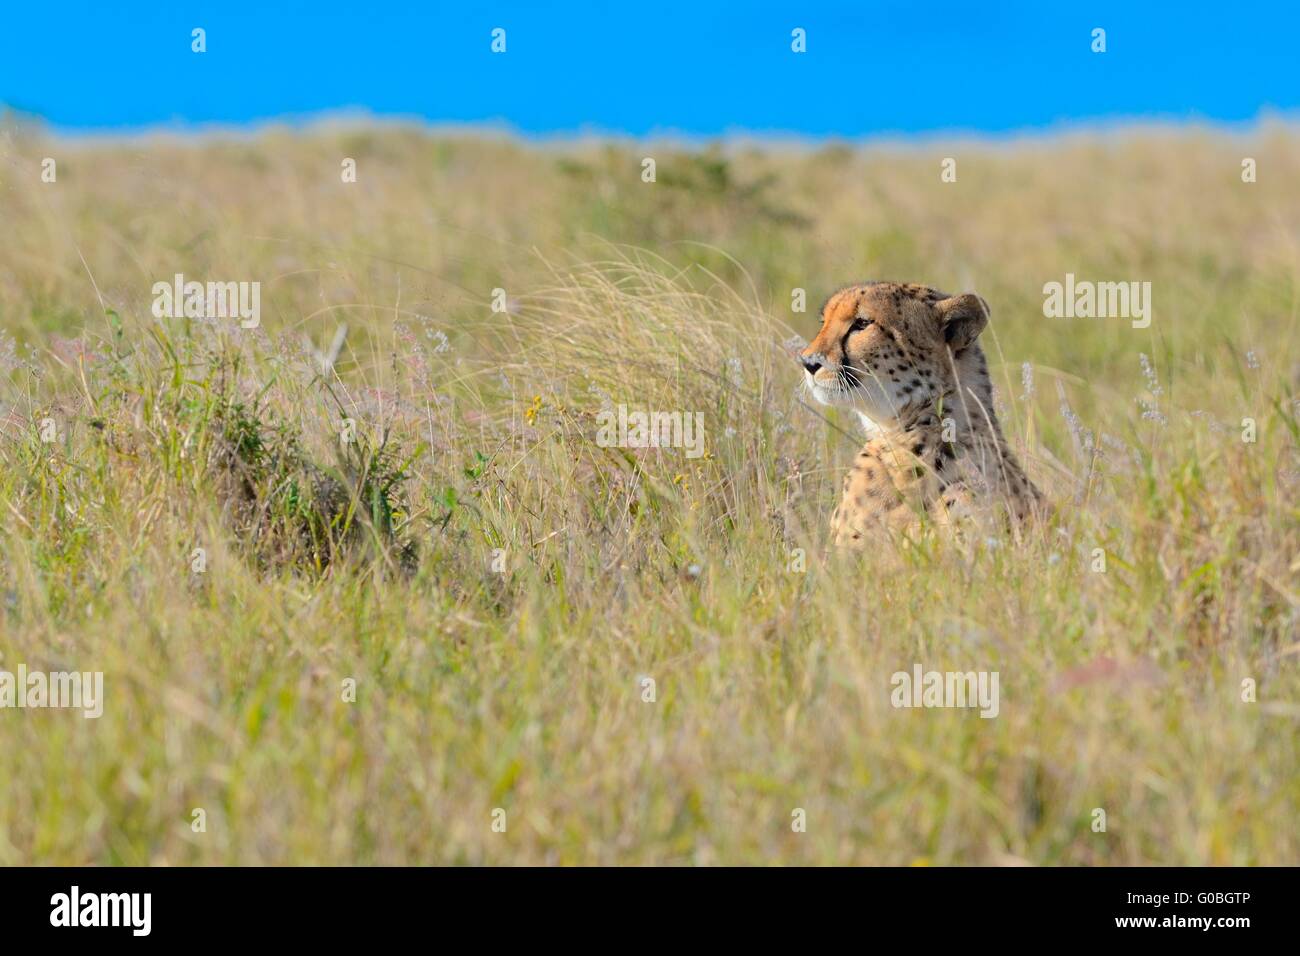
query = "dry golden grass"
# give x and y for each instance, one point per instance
(476, 443)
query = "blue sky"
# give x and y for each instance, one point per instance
(700, 68)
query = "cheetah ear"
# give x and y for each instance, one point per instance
(962, 318)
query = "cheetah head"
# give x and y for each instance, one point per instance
(887, 348)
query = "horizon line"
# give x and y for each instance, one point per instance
(360, 119)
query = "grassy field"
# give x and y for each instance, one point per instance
(383, 641)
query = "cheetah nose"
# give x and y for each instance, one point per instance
(811, 362)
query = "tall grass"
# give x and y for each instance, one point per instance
(502, 589)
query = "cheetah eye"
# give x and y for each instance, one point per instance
(859, 325)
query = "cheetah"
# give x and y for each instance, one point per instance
(905, 357)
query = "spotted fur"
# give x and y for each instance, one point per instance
(907, 359)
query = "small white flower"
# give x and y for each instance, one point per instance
(1027, 380)
(1148, 370)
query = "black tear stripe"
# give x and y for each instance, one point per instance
(844, 345)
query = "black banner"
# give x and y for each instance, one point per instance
(337, 906)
